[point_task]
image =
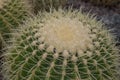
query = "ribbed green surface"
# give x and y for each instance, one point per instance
(25, 61)
(12, 14)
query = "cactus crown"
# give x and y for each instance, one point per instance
(64, 34)
(61, 45)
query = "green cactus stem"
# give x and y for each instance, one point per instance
(12, 13)
(61, 45)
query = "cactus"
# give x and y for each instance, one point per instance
(12, 13)
(0, 42)
(40, 5)
(104, 2)
(1, 3)
(61, 45)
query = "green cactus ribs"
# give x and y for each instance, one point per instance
(12, 13)
(61, 45)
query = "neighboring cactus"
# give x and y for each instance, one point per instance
(46, 4)
(61, 45)
(12, 13)
(104, 2)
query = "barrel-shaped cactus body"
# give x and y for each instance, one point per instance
(61, 45)
(12, 13)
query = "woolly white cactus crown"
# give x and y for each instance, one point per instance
(65, 34)
(62, 45)
(62, 32)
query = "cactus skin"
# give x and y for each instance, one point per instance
(1, 3)
(40, 5)
(33, 57)
(12, 13)
(0, 42)
(104, 2)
